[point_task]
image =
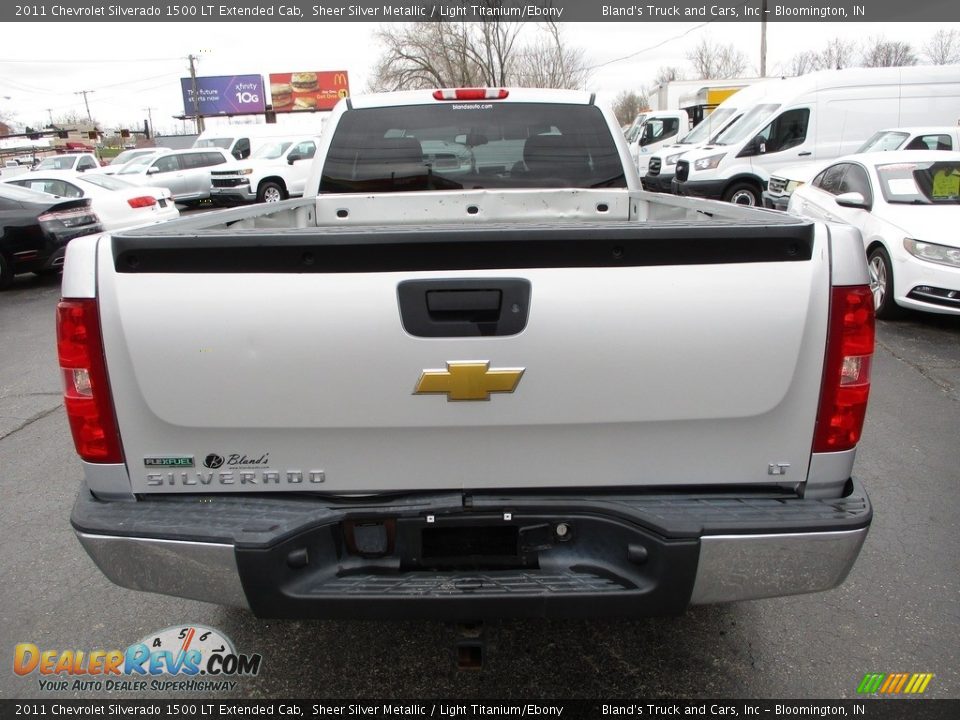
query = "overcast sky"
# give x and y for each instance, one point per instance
(132, 66)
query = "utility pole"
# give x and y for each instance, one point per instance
(86, 102)
(763, 38)
(50, 113)
(196, 98)
(150, 120)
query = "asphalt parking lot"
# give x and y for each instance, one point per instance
(897, 612)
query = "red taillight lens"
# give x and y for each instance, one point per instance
(846, 377)
(76, 217)
(471, 94)
(143, 201)
(86, 392)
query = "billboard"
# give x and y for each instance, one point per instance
(225, 95)
(310, 90)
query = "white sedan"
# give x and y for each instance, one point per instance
(906, 205)
(118, 204)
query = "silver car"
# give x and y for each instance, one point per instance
(185, 173)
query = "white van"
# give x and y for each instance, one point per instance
(242, 140)
(275, 171)
(662, 162)
(658, 129)
(811, 118)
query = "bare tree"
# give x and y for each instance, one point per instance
(72, 120)
(880, 52)
(802, 63)
(442, 54)
(837, 55)
(667, 73)
(549, 62)
(627, 104)
(712, 60)
(474, 54)
(943, 48)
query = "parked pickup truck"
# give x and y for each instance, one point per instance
(274, 172)
(433, 388)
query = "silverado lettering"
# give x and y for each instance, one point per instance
(295, 477)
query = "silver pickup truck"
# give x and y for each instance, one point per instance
(474, 372)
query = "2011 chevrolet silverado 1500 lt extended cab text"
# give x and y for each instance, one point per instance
(474, 372)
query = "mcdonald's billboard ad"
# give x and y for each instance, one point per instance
(296, 91)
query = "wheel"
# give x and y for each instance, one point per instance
(742, 193)
(271, 192)
(6, 272)
(881, 284)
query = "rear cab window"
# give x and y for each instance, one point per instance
(473, 145)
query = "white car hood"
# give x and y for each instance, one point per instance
(804, 172)
(929, 223)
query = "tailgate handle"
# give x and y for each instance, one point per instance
(464, 307)
(469, 305)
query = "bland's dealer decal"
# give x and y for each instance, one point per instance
(231, 469)
(202, 658)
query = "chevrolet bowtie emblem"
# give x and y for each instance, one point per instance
(468, 381)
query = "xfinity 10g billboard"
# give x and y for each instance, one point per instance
(224, 95)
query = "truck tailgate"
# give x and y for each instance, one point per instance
(601, 354)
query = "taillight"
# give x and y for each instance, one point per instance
(142, 201)
(471, 94)
(846, 376)
(70, 218)
(86, 392)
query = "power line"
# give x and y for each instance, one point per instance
(138, 80)
(32, 89)
(652, 47)
(106, 99)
